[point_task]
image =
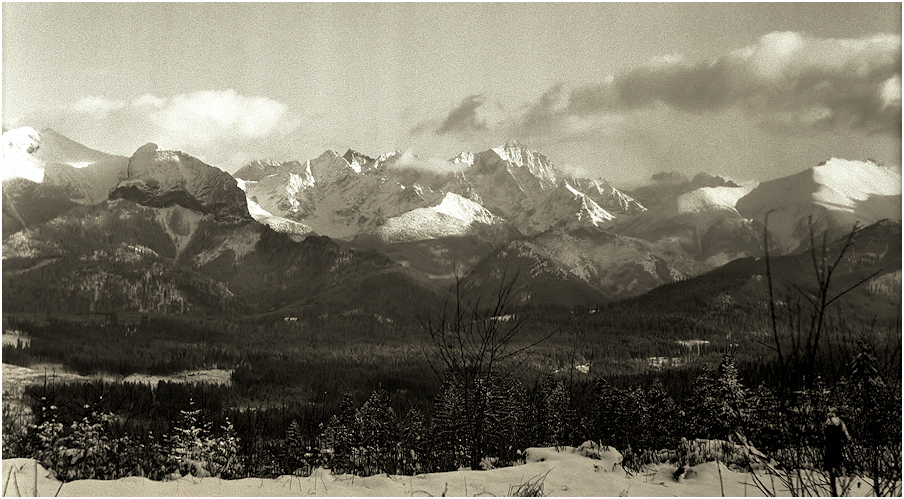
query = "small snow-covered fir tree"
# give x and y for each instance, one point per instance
(378, 428)
(661, 413)
(222, 453)
(732, 406)
(188, 441)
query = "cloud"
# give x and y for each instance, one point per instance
(463, 119)
(410, 160)
(785, 81)
(221, 127)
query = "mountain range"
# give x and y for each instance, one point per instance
(161, 231)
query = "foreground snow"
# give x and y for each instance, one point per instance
(564, 472)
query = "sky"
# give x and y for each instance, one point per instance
(751, 91)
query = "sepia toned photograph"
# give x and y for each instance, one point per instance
(451, 249)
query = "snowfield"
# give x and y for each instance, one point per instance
(567, 471)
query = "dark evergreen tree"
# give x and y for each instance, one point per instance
(378, 435)
(341, 435)
(661, 417)
(560, 417)
(732, 401)
(414, 439)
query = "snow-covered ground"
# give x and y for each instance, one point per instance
(564, 472)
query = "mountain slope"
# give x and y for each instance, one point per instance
(45, 174)
(698, 230)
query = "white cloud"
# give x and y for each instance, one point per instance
(222, 127)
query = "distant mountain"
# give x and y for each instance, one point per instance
(176, 237)
(84, 174)
(698, 230)
(737, 292)
(435, 222)
(524, 188)
(45, 174)
(701, 223)
(163, 232)
(352, 194)
(836, 194)
(666, 185)
(331, 196)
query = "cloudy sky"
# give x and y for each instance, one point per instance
(619, 91)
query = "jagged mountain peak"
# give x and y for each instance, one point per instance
(360, 162)
(261, 168)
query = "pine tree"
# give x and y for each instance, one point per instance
(560, 418)
(222, 453)
(765, 426)
(451, 438)
(703, 405)
(613, 409)
(188, 442)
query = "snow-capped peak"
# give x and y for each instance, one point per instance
(463, 158)
(518, 154)
(597, 215)
(835, 194)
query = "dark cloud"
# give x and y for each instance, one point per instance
(543, 115)
(463, 119)
(785, 80)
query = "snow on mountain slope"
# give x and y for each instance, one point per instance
(279, 224)
(697, 230)
(465, 210)
(515, 153)
(835, 194)
(19, 146)
(344, 196)
(590, 210)
(335, 198)
(523, 187)
(711, 198)
(604, 194)
(86, 175)
(453, 216)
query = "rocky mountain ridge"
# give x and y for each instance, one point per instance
(503, 210)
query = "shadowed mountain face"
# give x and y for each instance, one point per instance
(165, 178)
